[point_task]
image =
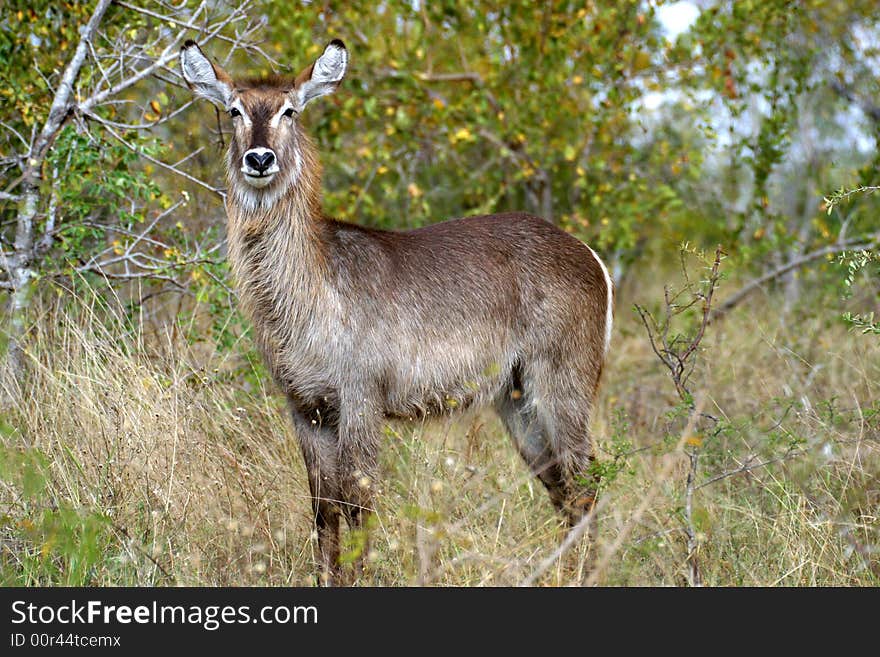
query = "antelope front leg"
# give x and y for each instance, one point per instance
(318, 445)
(356, 457)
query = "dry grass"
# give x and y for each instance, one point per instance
(189, 465)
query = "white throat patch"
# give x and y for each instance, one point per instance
(251, 197)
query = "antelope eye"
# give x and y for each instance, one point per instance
(234, 112)
(288, 112)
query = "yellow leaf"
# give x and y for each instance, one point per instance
(642, 61)
(694, 441)
(462, 134)
(438, 103)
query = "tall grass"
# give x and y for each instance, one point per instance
(131, 457)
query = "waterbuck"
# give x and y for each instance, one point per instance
(359, 325)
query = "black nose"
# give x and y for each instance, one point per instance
(260, 161)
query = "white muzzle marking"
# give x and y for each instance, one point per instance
(255, 177)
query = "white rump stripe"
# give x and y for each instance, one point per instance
(609, 306)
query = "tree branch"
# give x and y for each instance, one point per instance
(854, 244)
(749, 465)
(61, 103)
(192, 26)
(160, 163)
(871, 111)
(463, 76)
(169, 54)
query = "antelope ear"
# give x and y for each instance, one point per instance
(205, 78)
(324, 76)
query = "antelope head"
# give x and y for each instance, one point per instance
(266, 150)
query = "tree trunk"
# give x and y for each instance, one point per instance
(20, 273)
(20, 265)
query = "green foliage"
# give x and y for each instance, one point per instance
(614, 454)
(856, 262)
(55, 542)
(98, 185)
(764, 69)
(102, 218)
(35, 34)
(535, 104)
(863, 323)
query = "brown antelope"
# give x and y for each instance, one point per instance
(359, 325)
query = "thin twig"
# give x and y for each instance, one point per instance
(748, 466)
(690, 532)
(863, 243)
(160, 163)
(669, 464)
(573, 536)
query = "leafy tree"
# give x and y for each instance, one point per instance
(76, 125)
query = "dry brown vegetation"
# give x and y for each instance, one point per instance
(183, 457)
